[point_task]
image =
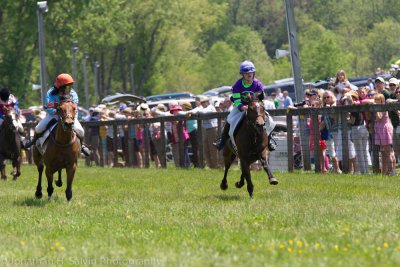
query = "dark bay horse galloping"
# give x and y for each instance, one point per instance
(61, 153)
(252, 145)
(10, 145)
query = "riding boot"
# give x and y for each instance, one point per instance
(22, 139)
(220, 142)
(270, 125)
(272, 145)
(27, 143)
(84, 149)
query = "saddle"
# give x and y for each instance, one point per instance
(41, 142)
(269, 127)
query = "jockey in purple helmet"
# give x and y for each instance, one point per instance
(242, 87)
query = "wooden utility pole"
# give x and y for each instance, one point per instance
(298, 81)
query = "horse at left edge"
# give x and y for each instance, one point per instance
(10, 144)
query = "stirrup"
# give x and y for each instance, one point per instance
(86, 151)
(272, 145)
(218, 144)
(28, 142)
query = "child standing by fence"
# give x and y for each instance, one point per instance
(384, 137)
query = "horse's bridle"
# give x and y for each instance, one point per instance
(9, 123)
(63, 118)
(254, 124)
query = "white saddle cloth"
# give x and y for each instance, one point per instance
(41, 143)
(236, 116)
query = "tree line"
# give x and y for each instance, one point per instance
(172, 45)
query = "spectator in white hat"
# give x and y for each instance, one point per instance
(210, 127)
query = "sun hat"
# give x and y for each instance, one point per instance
(204, 98)
(393, 81)
(174, 108)
(186, 106)
(162, 107)
(380, 79)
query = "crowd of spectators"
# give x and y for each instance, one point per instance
(101, 138)
(340, 91)
(384, 125)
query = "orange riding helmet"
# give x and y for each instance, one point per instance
(63, 79)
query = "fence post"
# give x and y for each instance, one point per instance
(115, 144)
(200, 142)
(316, 137)
(305, 143)
(289, 123)
(345, 141)
(181, 145)
(130, 141)
(88, 160)
(375, 149)
(146, 140)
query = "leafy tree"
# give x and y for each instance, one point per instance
(220, 65)
(17, 46)
(320, 54)
(248, 45)
(177, 69)
(383, 43)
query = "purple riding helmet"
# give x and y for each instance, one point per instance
(247, 67)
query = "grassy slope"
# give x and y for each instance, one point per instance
(182, 218)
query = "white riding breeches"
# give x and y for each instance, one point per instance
(42, 126)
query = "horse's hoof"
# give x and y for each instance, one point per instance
(223, 186)
(4, 178)
(273, 181)
(38, 194)
(238, 185)
(59, 183)
(15, 174)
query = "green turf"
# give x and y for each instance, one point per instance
(172, 217)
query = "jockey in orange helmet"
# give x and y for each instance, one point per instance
(62, 89)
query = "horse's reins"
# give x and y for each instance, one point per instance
(63, 118)
(253, 124)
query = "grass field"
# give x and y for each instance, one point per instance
(171, 217)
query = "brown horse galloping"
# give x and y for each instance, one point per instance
(252, 145)
(10, 145)
(61, 153)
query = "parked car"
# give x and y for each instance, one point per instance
(286, 86)
(168, 102)
(363, 80)
(182, 95)
(222, 91)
